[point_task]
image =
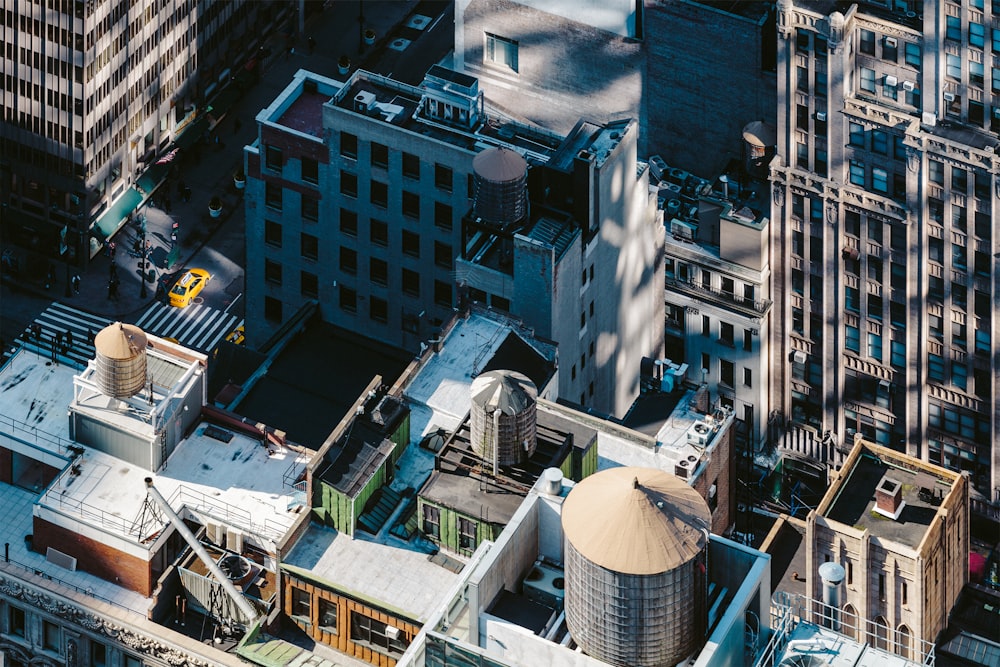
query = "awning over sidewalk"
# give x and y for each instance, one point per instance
(111, 221)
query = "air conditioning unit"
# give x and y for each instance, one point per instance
(699, 433)
(657, 166)
(364, 101)
(928, 119)
(799, 357)
(821, 116)
(234, 540)
(883, 385)
(546, 585)
(949, 97)
(391, 632)
(683, 469)
(891, 81)
(684, 230)
(909, 86)
(890, 41)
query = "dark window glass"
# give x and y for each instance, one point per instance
(309, 283)
(379, 232)
(411, 243)
(272, 233)
(378, 271)
(348, 222)
(379, 309)
(272, 272)
(310, 246)
(411, 166)
(380, 155)
(349, 145)
(310, 170)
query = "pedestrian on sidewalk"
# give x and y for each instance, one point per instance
(312, 45)
(76, 283)
(69, 338)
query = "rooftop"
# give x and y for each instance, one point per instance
(237, 483)
(461, 479)
(819, 647)
(383, 570)
(922, 491)
(299, 107)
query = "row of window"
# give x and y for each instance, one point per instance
(727, 371)
(363, 629)
(348, 298)
(52, 640)
(889, 51)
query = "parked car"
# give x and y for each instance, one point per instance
(188, 287)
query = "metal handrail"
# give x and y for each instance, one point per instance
(759, 307)
(62, 582)
(16, 426)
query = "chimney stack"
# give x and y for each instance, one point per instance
(889, 498)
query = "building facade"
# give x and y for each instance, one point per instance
(900, 529)
(359, 191)
(92, 93)
(884, 202)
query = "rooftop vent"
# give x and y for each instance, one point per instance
(364, 101)
(889, 498)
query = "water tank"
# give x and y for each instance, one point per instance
(635, 548)
(500, 178)
(121, 360)
(503, 417)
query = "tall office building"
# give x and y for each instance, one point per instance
(362, 193)
(885, 197)
(92, 92)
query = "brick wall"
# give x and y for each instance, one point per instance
(719, 472)
(94, 557)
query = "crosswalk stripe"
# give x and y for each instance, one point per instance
(198, 326)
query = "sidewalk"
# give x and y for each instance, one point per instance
(208, 170)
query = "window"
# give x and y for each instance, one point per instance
(411, 204)
(747, 377)
(852, 299)
(380, 155)
(857, 134)
(977, 35)
(348, 299)
(411, 166)
(726, 372)
(272, 272)
(411, 282)
(935, 367)
(443, 177)
(51, 636)
(378, 232)
(868, 79)
(16, 621)
(272, 233)
(976, 74)
(98, 655)
(953, 66)
(443, 256)
(301, 605)
(912, 54)
(888, 88)
(852, 338)
(376, 634)
(880, 180)
(875, 346)
(309, 285)
(953, 28)
(309, 246)
(310, 170)
(881, 587)
(820, 82)
(310, 209)
(897, 354)
(935, 172)
(466, 534)
(442, 293)
(996, 40)
(348, 184)
(349, 145)
(802, 76)
(857, 173)
(272, 158)
(328, 615)
(880, 142)
(379, 194)
(867, 42)
(726, 334)
(874, 306)
(960, 375)
(442, 216)
(411, 243)
(747, 340)
(379, 309)
(348, 261)
(958, 257)
(706, 325)
(889, 50)
(904, 598)
(272, 309)
(432, 522)
(852, 223)
(501, 51)
(272, 195)
(348, 222)
(378, 271)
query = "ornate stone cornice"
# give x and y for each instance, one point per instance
(135, 641)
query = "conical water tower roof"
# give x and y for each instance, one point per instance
(499, 164)
(636, 520)
(120, 341)
(508, 391)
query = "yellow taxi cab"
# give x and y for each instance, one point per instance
(188, 287)
(237, 336)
